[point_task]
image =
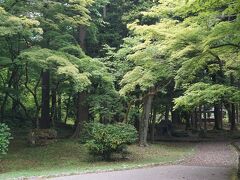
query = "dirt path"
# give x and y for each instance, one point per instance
(212, 161)
(213, 154)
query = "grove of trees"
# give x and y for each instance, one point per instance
(137, 62)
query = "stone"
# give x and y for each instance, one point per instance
(41, 137)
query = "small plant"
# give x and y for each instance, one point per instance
(103, 140)
(5, 136)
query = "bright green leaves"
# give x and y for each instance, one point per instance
(206, 94)
(149, 52)
(11, 25)
(63, 65)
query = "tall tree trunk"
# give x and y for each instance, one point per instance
(82, 113)
(15, 104)
(176, 119)
(67, 109)
(186, 115)
(153, 123)
(104, 11)
(54, 105)
(137, 116)
(59, 107)
(205, 118)
(196, 118)
(232, 108)
(45, 122)
(217, 116)
(82, 36)
(237, 113)
(167, 110)
(233, 117)
(147, 105)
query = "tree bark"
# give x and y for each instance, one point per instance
(82, 36)
(67, 109)
(15, 104)
(147, 105)
(186, 116)
(104, 11)
(153, 123)
(167, 110)
(233, 117)
(81, 114)
(45, 122)
(59, 107)
(205, 118)
(217, 116)
(176, 119)
(54, 105)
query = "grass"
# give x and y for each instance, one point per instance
(69, 157)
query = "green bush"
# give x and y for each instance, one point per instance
(103, 140)
(5, 136)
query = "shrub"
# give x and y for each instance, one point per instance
(5, 136)
(103, 140)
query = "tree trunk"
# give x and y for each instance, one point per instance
(205, 118)
(153, 125)
(186, 116)
(147, 105)
(237, 113)
(233, 117)
(54, 105)
(59, 107)
(176, 119)
(67, 109)
(167, 113)
(232, 109)
(82, 37)
(45, 122)
(217, 116)
(104, 11)
(15, 85)
(82, 113)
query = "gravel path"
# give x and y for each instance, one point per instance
(212, 161)
(213, 154)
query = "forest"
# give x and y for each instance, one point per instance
(92, 79)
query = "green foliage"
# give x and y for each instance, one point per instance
(5, 136)
(206, 94)
(104, 140)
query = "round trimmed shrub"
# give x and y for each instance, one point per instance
(103, 140)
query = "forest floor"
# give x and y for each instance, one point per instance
(212, 161)
(68, 156)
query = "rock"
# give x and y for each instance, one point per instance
(41, 137)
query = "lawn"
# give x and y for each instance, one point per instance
(70, 157)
